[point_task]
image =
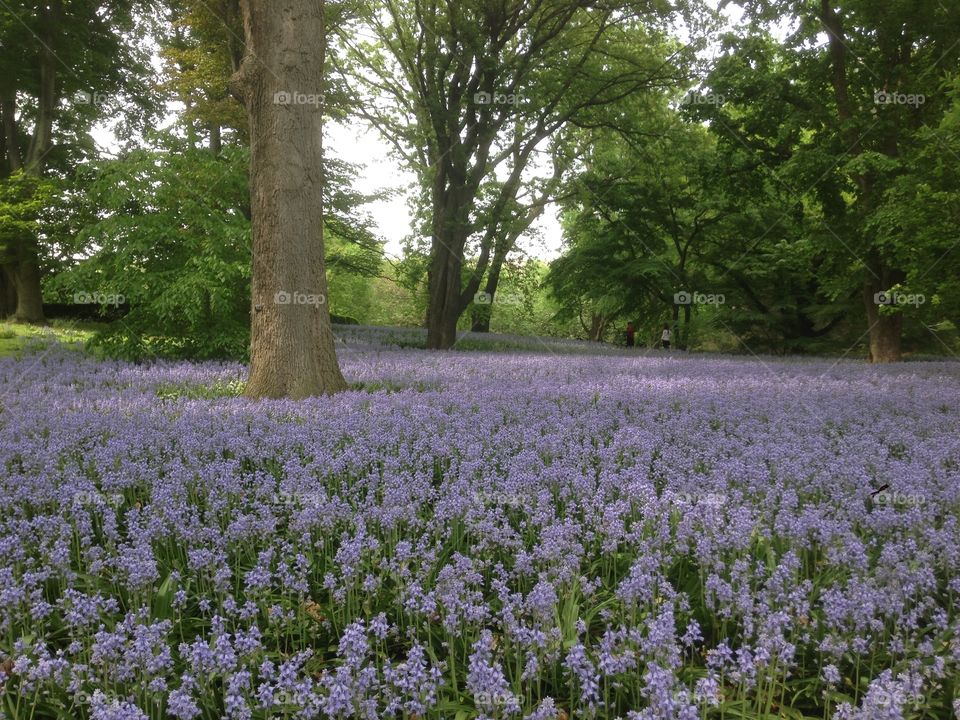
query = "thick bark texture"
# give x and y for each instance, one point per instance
(8, 292)
(292, 350)
(26, 280)
(445, 303)
(885, 329)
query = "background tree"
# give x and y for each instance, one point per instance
(468, 91)
(64, 64)
(850, 107)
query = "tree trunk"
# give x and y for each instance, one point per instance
(480, 319)
(597, 325)
(216, 143)
(292, 347)
(26, 278)
(885, 329)
(8, 292)
(25, 268)
(444, 300)
(482, 314)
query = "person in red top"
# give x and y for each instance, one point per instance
(630, 333)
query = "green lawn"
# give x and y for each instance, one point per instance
(15, 338)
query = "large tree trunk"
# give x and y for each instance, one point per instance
(8, 292)
(292, 347)
(598, 324)
(26, 279)
(444, 300)
(446, 265)
(885, 329)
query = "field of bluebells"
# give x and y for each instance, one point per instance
(537, 535)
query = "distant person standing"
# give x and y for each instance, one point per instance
(665, 337)
(631, 332)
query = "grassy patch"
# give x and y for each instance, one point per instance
(16, 338)
(394, 386)
(191, 391)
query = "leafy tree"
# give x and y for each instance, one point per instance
(468, 92)
(635, 219)
(837, 114)
(167, 228)
(202, 49)
(179, 256)
(64, 64)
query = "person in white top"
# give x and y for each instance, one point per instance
(665, 337)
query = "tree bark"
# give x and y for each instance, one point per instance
(216, 143)
(8, 292)
(444, 300)
(292, 350)
(885, 329)
(598, 325)
(26, 280)
(483, 314)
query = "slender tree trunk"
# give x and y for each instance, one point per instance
(482, 314)
(216, 144)
(885, 329)
(292, 347)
